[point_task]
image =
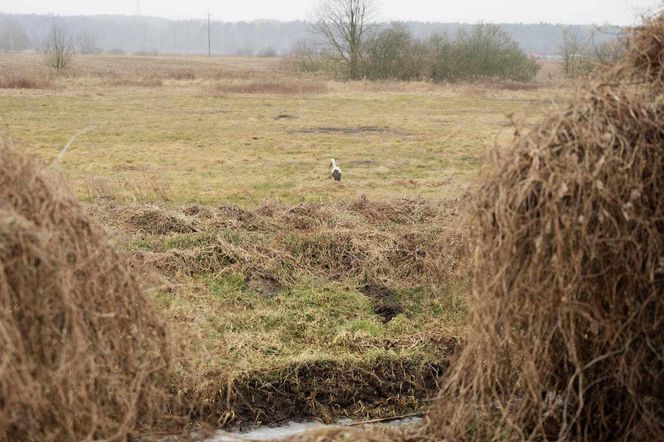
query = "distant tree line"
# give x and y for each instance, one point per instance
(480, 51)
(353, 46)
(155, 35)
(13, 37)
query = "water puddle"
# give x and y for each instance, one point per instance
(295, 428)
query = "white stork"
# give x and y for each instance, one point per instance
(336, 171)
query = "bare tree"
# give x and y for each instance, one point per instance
(607, 45)
(58, 47)
(13, 37)
(608, 53)
(86, 43)
(344, 25)
(573, 53)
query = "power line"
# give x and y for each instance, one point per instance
(209, 40)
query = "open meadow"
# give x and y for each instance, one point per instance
(293, 296)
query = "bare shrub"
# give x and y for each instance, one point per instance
(344, 25)
(59, 49)
(308, 59)
(608, 53)
(394, 54)
(485, 51)
(82, 354)
(574, 54)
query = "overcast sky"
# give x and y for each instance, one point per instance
(619, 12)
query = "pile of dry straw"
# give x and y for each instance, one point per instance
(566, 325)
(82, 355)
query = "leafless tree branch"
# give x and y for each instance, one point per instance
(344, 25)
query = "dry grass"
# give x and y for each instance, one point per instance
(133, 66)
(25, 79)
(143, 188)
(399, 243)
(288, 314)
(368, 432)
(82, 353)
(564, 339)
(270, 87)
(149, 81)
(182, 74)
(266, 137)
(296, 344)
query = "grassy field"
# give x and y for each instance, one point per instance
(199, 141)
(294, 295)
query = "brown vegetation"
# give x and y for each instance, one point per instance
(82, 354)
(400, 242)
(283, 86)
(150, 81)
(565, 324)
(24, 79)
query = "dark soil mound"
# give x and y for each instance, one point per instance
(385, 303)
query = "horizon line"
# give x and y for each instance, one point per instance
(52, 14)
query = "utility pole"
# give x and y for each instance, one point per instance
(209, 41)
